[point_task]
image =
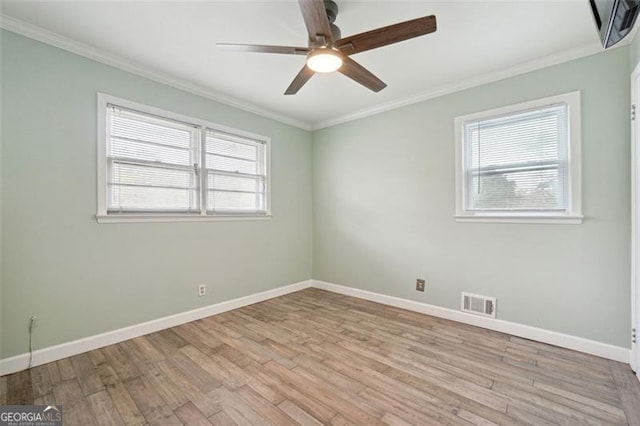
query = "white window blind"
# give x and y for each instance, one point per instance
(236, 173)
(518, 162)
(151, 163)
(155, 165)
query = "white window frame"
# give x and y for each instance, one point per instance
(103, 216)
(573, 214)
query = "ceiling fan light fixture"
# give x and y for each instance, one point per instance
(324, 59)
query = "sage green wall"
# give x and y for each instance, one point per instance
(82, 278)
(384, 203)
(382, 209)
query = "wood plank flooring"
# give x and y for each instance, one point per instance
(315, 357)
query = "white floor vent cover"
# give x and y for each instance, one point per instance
(479, 305)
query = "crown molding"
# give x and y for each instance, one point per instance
(53, 39)
(40, 34)
(480, 80)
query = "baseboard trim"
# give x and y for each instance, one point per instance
(63, 350)
(580, 344)
(54, 353)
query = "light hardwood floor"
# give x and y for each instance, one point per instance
(315, 357)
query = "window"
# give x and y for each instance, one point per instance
(520, 163)
(154, 165)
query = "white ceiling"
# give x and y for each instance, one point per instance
(476, 41)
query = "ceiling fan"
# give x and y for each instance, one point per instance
(328, 51)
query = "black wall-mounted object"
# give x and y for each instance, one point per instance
(614, 19)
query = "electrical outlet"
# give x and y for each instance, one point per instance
(33, 321)
(202, 290)
(419, 284)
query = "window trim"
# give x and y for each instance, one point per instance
(574, 159)
(102, 215)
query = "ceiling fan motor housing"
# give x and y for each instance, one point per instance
(335, 32)
(332, 10)
(332, 13)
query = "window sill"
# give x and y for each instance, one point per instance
(548, 220)
(163, 218)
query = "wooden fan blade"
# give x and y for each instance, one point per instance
(286, 50)
(303, 76)
(315, 19)
(360, 74)
(387, 35)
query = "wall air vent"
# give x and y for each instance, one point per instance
(478, 305)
